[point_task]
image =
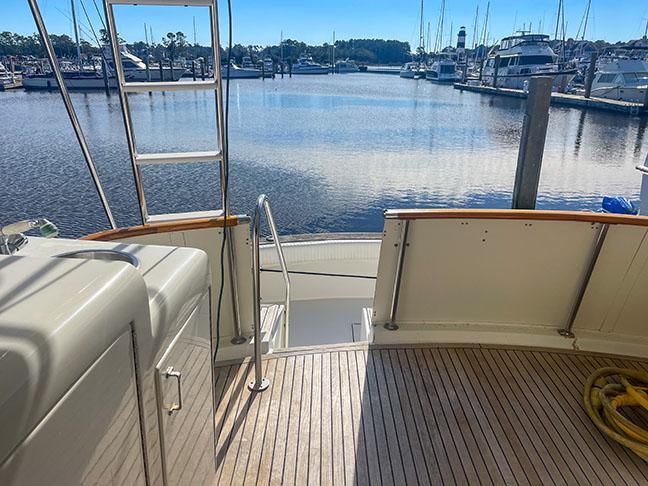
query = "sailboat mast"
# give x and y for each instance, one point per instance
(587, 13)
(281, 47)
(560, 10)
(475, 27)
(194, 30)
(76, 35)
(421, 35)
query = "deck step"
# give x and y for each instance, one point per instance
(179, 157)
(165, 218)
(146, 86)
(163, 3)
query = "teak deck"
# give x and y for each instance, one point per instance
(417, 415)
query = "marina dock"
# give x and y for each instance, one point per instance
(17, 83)
(564, 99)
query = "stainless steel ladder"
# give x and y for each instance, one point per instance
(218, 155)
(125, 88)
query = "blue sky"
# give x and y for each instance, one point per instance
(260, 21)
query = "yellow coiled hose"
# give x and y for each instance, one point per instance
(609, 389)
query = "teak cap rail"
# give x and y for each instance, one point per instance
(166, 227)
(519, 214)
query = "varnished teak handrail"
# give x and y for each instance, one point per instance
(517, 214)
(166, 227)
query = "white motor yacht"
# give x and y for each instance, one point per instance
(237, 72)
(622, 78)
(443, 70)
(457, 346)
(135, 70)
(306, 65)
(346, 66)
(410, 70)
(7, 78)
(520, 58)
(268, 67)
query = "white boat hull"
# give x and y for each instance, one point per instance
(313, 70)
(634, 94)
(408, 74)
(48, 82)
(241, 73)
(97, 82)
(519, 81)
(442, 78)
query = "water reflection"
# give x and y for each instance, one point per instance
(331, 152)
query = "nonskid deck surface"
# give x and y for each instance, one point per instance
(417, 415)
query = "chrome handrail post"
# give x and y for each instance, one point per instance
(391, 325)
(67, 101)
(260, 383)
(598, 246)
(284, 271)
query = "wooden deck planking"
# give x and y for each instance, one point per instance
(417, 415)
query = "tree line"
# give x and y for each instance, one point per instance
(175, 46)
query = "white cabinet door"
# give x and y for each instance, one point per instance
(185, 403)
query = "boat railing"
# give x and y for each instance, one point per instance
(263, 205)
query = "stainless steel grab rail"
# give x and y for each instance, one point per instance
(642, 168)
(263, 204)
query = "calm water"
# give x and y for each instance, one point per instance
(331, 152)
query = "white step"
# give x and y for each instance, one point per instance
(164, 218)
(179, 157)
(163, 3)
(145, 86)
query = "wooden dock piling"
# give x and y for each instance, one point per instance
(532, 143)
(589, 79)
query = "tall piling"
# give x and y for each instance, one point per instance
(495, 74)
(532, 143)
(589, 77)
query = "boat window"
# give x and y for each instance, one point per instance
(635, 78)
(606, 78)
(526, 60)
(447, 69)
(504, 61)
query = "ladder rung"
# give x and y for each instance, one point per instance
(178, 157)
(145, 86)
(163, 218)
(163, 3)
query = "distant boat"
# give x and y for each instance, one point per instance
(268, 67)
(443, 70)
(410, 70)
(135, 68)
(90, 79)
(522, 57)
(306, 65)
(236, 72)
(246, 63)
(620, 78)
(346, 66)
(8, 78)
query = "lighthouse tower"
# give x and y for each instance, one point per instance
(461, 43)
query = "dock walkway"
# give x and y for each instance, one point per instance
(564, 99)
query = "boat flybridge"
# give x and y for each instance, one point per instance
(518, 58)
(452, 347)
